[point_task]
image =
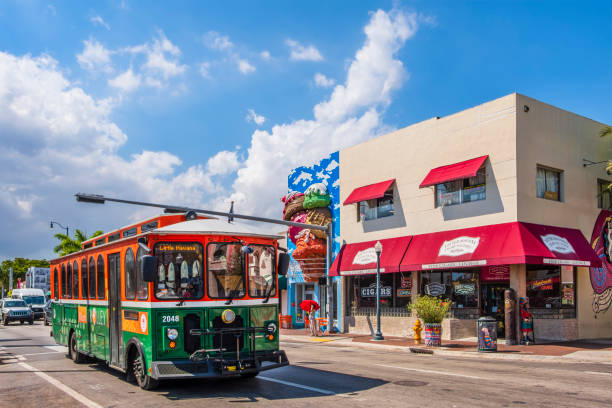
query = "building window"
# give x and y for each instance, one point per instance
(551, 287)
(462, 191)
(603, 194)
(395, 293)
(548, 184)
(460, 287)
(377, 208)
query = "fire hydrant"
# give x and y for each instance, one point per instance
(417, 332)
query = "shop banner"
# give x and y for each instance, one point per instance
(495, 273)
(370, 291)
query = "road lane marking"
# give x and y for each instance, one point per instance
(433, 372)
(38, 354)
(596, 372)
(304, 387)
(57, 348)
(77, 396)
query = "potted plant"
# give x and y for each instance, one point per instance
(431, 310)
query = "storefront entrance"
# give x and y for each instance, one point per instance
(493, 303)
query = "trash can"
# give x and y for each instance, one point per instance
(487, 334)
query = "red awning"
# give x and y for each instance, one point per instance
(360, 258)
(500, 244)
(368, 192)
(456, 171)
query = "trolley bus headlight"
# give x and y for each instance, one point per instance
(228, 316)
(271, 328)
(172, 334)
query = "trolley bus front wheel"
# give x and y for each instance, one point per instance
(139, 370)
(77, 357)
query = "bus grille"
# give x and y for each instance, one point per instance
(229, 337)
(177, 369)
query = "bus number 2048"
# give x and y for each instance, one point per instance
(170, 319)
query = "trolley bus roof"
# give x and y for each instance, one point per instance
(216, 227)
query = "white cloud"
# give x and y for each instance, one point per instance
(352, 114)
(245, 67)
(204, 69)
(255, 118)
(265, 55)
(301, 53)
(99, 21)
(224, 162)
(323, 81)
(126, 81)
(58, 140)
(216, 41)
(95, 57)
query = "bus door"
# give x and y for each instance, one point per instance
(114, 310)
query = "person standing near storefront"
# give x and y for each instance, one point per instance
(312, 320)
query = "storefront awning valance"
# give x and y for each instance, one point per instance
(500, 244)
(369, 192)
(360, 258)
(451, 172)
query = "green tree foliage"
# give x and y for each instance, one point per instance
(69, 245)
(20, 266)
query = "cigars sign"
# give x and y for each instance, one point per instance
(459, 246)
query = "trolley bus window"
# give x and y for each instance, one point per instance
(84, 283)
(225, 270)
(69, 280)
(130, 275)
(261, 271)
(179, 273)
(55, 285)
(142, 286)
(101, 281)
(92, 278)
(75, 279)
(63, 281)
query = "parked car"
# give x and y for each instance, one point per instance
(35, 298)
(48, 313)
(12, 310)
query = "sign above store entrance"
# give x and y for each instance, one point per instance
(459, 246)
(558, 244)
(367, 256)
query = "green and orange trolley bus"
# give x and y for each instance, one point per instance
(175, 296)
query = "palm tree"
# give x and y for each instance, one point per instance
(68, 245)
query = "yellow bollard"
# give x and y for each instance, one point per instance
(417, 332)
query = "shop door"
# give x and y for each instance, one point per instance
(493, 304)
(114, 310)
(303, 291)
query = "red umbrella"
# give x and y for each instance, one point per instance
(305, 305)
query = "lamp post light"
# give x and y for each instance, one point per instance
(59, 225)
(378, 250)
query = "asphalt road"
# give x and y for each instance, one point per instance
(35, 372)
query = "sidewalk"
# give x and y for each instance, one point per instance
(583, 350)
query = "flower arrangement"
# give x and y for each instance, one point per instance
(430, 309)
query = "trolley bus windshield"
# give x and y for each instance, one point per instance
(225, 270)
(179, 270)
(261, 271)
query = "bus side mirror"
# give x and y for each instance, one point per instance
(148, 266)
(283, 263)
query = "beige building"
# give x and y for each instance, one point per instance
(468, 205)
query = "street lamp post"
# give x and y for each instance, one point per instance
(378, 250)
(59, 225)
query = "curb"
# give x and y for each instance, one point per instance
(348, 342)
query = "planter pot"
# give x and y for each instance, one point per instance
(433, 334)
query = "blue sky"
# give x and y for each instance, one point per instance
(203, 102)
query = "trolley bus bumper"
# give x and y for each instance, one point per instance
(209, 367)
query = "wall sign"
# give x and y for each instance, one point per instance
(367, 256)
(495, 273)
(465, 288)
(459, 246)
(557, 244)
(404, 292)
(370, 291)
